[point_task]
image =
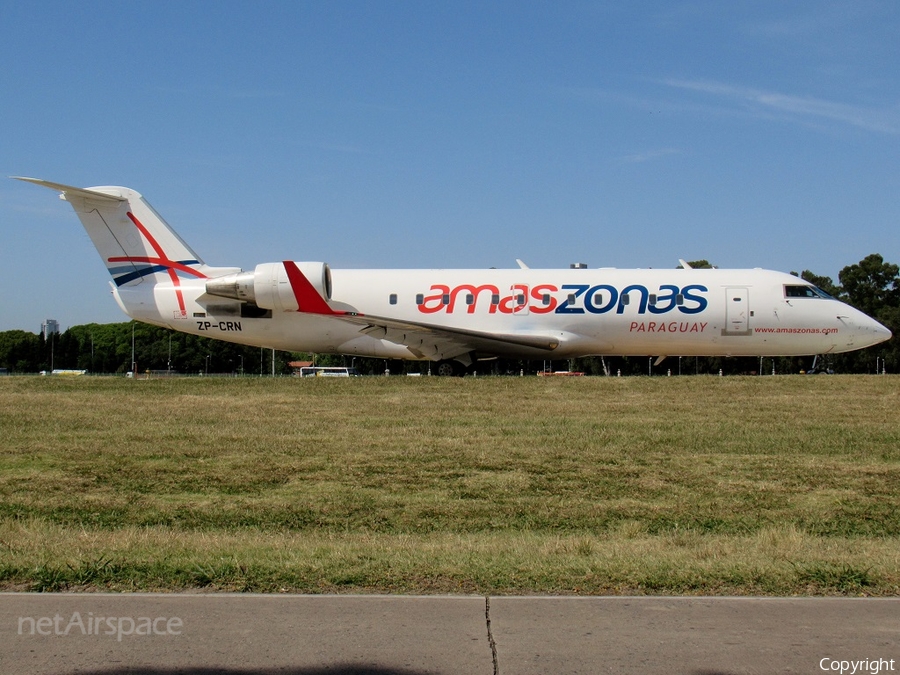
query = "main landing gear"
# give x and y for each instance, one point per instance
(448, 369)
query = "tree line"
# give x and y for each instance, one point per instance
(872, 285)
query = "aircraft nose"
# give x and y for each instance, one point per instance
(870, 332)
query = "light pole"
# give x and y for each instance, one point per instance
(207, 363)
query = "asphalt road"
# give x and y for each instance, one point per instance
(198, 634)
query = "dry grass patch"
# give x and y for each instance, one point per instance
(665, 485)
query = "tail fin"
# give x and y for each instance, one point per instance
(136, 244)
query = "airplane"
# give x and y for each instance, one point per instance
(457, 317)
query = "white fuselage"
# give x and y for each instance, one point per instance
(676, 312)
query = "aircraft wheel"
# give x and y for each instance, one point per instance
(445, 369)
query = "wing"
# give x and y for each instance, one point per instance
(436, 342)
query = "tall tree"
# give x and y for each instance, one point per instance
(871, 284)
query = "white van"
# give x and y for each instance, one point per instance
(327, 371)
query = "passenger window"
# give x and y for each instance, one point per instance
(495, 299)
(393, 298)
(445, 299)
(420, 299)
(546, 299)
(679, 299)
(571, 298)
(652, 300)
(626, 299)
(470, 299)
(598, 298)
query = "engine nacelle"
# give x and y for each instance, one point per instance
(268, 285)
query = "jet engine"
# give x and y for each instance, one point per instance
(268, 285)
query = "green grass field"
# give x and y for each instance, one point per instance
(693, 485)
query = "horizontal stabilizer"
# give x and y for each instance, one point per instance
(73, 191)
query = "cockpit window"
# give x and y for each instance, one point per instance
(805, 292)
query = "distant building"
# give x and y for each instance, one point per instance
(49, 327)
(297, 365)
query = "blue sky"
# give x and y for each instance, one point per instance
(457, 134)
